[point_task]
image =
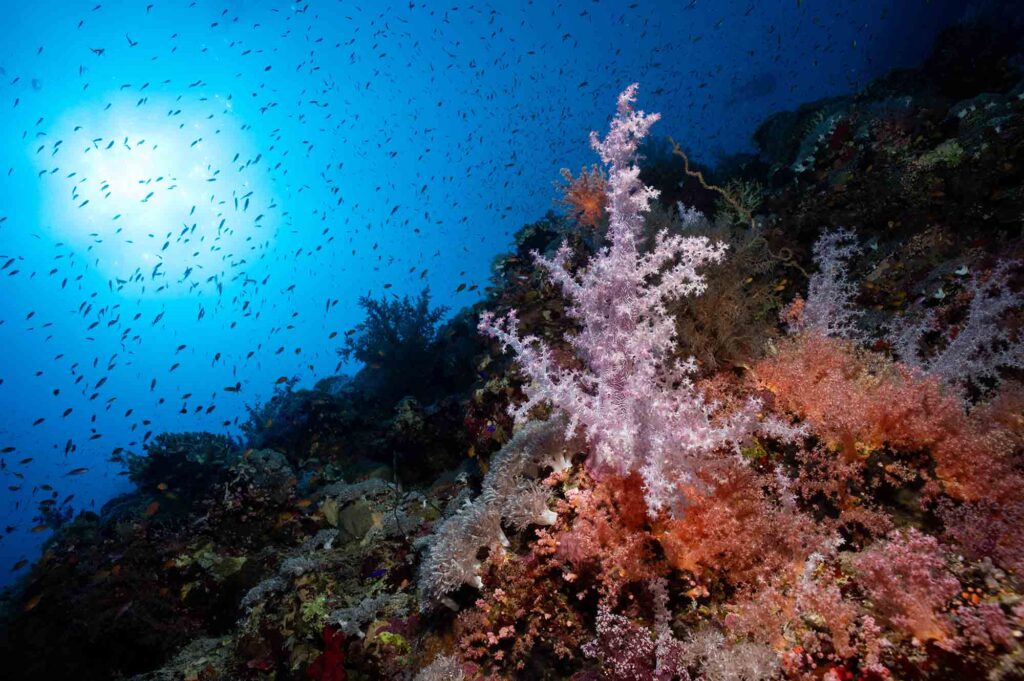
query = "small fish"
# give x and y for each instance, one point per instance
(76, 471)
(151, 509)
(33, 602)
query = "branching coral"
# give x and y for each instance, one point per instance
(189, 463)
(396, 343)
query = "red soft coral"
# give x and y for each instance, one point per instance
(328, 666)
(608, 533)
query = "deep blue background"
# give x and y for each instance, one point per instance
(273, 161)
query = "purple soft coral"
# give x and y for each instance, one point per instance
(639, 409)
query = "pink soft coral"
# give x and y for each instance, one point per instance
(639, 410)
(909, 585)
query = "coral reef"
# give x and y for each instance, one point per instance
(778, 437)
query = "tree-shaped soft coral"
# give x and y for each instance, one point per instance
(637, 407)
(584, 196)
(972, 352)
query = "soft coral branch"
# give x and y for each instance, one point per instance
(638, 408)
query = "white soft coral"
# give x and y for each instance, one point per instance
(510, 494)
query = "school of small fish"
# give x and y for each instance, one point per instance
(196, 193)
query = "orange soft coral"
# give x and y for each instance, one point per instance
(608, 534)
(736, 529)
(859, 402)
(584, 196)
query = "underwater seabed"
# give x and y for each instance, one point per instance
(763, 421)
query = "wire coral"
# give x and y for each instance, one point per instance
(638, 409)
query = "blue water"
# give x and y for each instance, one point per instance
(194, 194)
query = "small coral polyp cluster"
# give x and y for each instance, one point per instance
(831, 512)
